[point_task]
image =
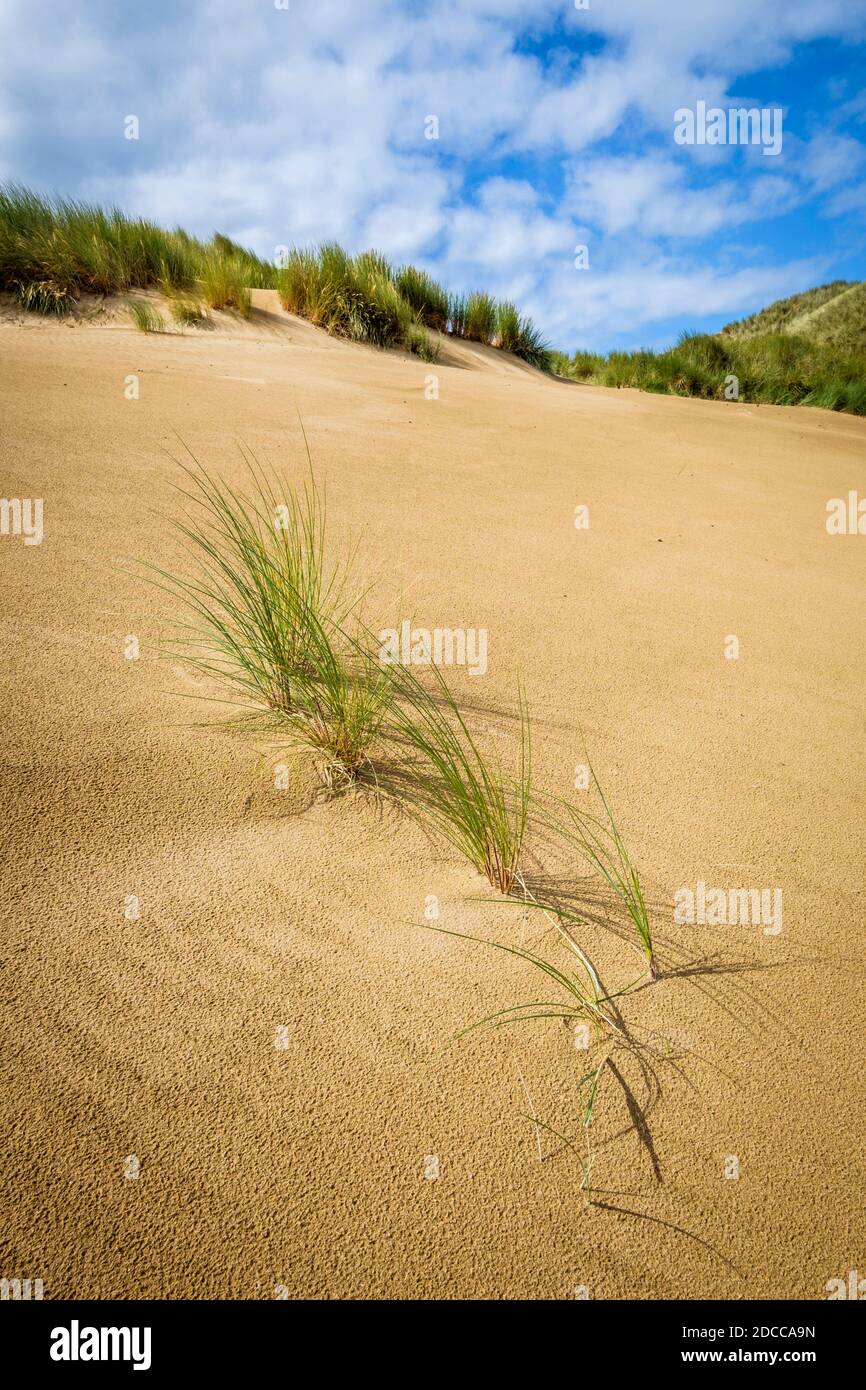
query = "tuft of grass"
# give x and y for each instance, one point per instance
(223, 282)
(456, 786)
(518, 335)
(186, 310)
(479, 318)
(427, 299)
(45, 296)
(266, 614)
(599, 841)
(352, 298)
(145, 317)
(358, 298)
(508, 327)
(418, 341)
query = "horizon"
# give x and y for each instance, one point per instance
(486, 144)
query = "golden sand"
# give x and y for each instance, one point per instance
(266, 1037)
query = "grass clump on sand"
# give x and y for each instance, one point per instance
(427, 299)
(356, 297)
(146, 318)
(455, 785)
(363, 298)
(267, 617)
(479, 318)
(71, 248)
(224, 284)
(186, 310)
(351, 297)
(275, 623)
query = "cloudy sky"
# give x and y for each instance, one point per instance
(283, 122)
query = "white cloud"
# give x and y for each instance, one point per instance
(650, 195)
(831, 159)
(593, 309)
(292, 126)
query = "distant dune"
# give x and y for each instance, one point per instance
(834, 314)
(809, 349)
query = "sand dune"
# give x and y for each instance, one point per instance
(301, 1167)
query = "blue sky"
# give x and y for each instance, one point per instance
(282, 126)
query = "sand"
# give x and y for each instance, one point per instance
(267, 1038)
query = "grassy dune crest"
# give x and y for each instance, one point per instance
(792, 315)
(840, 322)
(772, 368)
(808, 349)
(366, 299)
(54, 250)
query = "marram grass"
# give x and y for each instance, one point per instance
(266, 612)
(146, 318)
(72, 248)
(774, 368)
(459, 789)
(268, 619)
(186, 310)
(365, 299)
(54, 250)
(599, 841)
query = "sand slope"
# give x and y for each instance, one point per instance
(303, 1166)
